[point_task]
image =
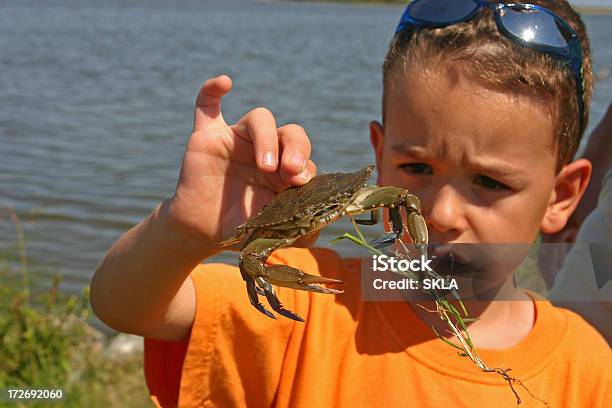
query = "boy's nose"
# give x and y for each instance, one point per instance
(445, 214)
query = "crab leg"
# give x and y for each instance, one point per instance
(389, 238)
(374, 217)
(254, 270)
(370, 198)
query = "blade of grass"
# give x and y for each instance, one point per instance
(357, 229)
(359, 242)
(447, 341)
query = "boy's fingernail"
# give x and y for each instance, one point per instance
(269, 159)
(305, 175)
(299, 160)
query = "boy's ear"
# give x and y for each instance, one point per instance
(377, 138)
(570, 184)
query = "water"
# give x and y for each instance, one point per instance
(96, 103)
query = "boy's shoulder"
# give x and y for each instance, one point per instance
(581, 351)
(584, 341)
(577, 325)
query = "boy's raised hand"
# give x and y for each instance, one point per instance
(230, 171)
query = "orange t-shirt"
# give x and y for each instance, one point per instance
(351, 353)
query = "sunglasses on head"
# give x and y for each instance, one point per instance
(526, 24)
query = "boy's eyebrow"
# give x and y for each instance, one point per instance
(497, 169)
(490, 167)
(415, 151)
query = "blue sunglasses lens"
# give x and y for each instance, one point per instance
(441, 11)
(534, 26)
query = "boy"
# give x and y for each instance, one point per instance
(482, 129)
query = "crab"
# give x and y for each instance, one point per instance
(300, 211)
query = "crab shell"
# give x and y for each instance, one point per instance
(327, 193)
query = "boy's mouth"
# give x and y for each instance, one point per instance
(454, 259)
(449, 265)
(488, 262)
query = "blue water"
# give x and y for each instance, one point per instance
(96, 102)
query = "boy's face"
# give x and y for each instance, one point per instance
(481, 160)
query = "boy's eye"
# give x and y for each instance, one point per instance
(417, 168)
(489, 183)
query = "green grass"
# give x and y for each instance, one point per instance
(47, 342)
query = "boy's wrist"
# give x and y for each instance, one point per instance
(192, 245)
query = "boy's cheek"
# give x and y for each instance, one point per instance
(389, 170)
(391, 174)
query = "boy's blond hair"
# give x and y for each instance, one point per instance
(499, 62)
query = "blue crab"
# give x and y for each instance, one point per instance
(299, 211)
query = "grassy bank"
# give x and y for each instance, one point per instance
(48, 343)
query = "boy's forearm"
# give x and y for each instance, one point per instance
(135, 283)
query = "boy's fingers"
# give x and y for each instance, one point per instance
(208, 102)
(259, 127)
(303, 177)
(296, 149)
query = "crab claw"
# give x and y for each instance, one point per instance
(278, 307)
(254, 271)
(252, 291)
(264, 288)
(283, 275)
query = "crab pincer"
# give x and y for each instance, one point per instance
(255, 271)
